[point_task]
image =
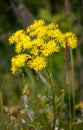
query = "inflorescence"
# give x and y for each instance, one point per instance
(36, 43)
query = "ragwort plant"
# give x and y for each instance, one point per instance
(33, 48)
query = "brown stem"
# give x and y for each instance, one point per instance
(67, 59)
(67, 8)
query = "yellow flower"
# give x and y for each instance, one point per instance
(49, 116)
(39, 32)
(50, 48)
(35, 25)
(59, 37)
(79, 105)
(16, 36)
(37, 63)
(34, 45)
(52, 26)
(26, 42)
(35, 51)
(62, 91)
(18, 47)
(18, 62)
(71, 39)
(26, 91)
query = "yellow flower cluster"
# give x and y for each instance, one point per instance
(26, 91)
(79, 105)
(37, 63)
(71, 39)
(49, 116)
(18, 62)
(36, 43)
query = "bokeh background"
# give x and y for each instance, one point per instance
(18, 14)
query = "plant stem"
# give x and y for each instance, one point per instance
(72, 82)
(53, 98)
(69, 95)
(68, 76)
(68, 13)
(54, 121)
(1, 102)
(1, 95)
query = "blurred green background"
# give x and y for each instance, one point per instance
(17, 14)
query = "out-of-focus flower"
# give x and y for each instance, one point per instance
(79, 105)
(26, 91)
(49, 116)
(62, 91)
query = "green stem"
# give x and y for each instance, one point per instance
(54, 121)
(1, 102)
(72, 82)
(1, 95)
(72, 70)
(69, 96)
(53, 98)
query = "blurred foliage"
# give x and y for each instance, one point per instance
(11, 85)
(60, 19)
(9, 24)
(34, 6)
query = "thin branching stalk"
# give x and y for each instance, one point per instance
(54, 121)
(53, 98)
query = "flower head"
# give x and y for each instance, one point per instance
(18, 62)
(26, 91)
(71, 39)
(37, 63)
(49, 116)
(79, 105)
